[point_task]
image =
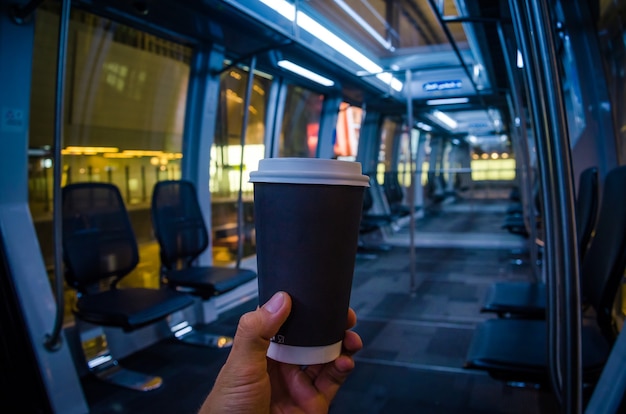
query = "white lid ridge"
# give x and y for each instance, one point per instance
(309, 171)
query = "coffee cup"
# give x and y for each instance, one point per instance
(307, 216)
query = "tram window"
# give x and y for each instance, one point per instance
(298, 137)
(123, 121)
(571, 85)
(612, 35)
(388, 135)
(347, 132)
(227, 158)
(125, 96)
(394, 156)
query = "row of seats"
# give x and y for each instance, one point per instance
(529, 299)
(374, 223)
(514, 346)
(395, 195)
(515, 220)
(100, 249)
(394, 205)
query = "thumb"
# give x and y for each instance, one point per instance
(245, 371)
(257, 327)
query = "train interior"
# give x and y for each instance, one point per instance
(491, 131)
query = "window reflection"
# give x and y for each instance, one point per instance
(125, 107)
(123, 123)
(347, 132)
(230, 168)
(300, 127)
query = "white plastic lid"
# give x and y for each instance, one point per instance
(309, 171)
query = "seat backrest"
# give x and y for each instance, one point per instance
(604, 264)
(98, 239)
(587, 201)
(392, 187)
(368, 200)
(178, 224)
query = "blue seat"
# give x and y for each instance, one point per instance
(99, 250)
(181, 232)
(528, 299)
(515, 350)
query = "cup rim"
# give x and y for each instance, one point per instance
(309, 171)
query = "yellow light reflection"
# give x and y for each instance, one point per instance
(71, 150)
(113, 152)
(258, 90)
(493, 170)
(232, 96)
(143, 153)
(118, 155)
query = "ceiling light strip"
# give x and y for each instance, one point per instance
(447, 101)
(305, 22)
(292, 67)
(445, 118)
(369, 29)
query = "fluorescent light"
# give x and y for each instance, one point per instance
(424, 126)
(369, 29)
(288, 11)
(290, 66)
(520, 60)
(447, 101)
(334, 41)
(306, 23)
(449, 122)
(390, 80)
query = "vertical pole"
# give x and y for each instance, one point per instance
(127, 181)
(144, 195)
(522, 150)
(53, 339)
(533, 28)
(244, 128)
(409, 121)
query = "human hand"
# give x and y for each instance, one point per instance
(249, 382)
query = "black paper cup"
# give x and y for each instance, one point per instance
(307, 216)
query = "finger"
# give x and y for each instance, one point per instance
(333, 375)
(257, 327)
(351, 322)
(352, 342)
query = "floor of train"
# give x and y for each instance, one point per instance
(414, 344)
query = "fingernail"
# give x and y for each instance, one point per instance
(274, 304)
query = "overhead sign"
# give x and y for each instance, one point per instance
(442, 85)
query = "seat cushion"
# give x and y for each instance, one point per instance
(207, 281)
(516, 350)
(516, 299)
(130, 308)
